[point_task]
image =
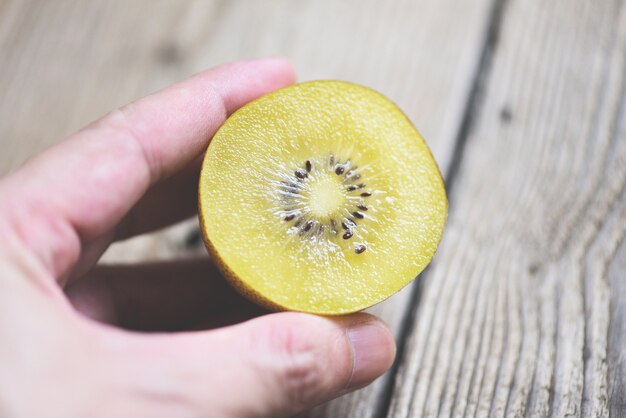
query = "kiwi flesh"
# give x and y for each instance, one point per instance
(321, 197)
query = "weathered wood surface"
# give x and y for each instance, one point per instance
(66, 62)
(524, 313)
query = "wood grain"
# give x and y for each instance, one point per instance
(65, 63)
(616, 355)
(523, 315)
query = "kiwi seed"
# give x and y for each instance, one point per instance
(295, 199)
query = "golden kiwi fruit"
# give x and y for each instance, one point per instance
(320, 197)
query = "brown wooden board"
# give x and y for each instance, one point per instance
(523, 312)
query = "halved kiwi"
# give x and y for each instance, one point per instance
(321, 197)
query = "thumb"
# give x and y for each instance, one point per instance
(275, 365)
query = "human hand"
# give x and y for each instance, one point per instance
(132, 172)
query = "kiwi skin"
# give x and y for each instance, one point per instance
(230, 275)
(241, 287)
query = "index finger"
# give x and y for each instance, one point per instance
(77, 191)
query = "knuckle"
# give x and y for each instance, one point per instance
(301, 364)
(128, 128)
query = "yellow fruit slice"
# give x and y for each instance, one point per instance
(321, 197)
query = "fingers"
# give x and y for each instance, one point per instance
(166, 296)
(74, 194)
(272, 366)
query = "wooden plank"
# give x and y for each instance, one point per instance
(77, 60)
(523, 313)
(616, 355)
(67, 62)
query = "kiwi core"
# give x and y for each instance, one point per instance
(325, 197)
(325, 201)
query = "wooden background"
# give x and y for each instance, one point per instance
(523, 312)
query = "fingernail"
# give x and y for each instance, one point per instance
(374, 350)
